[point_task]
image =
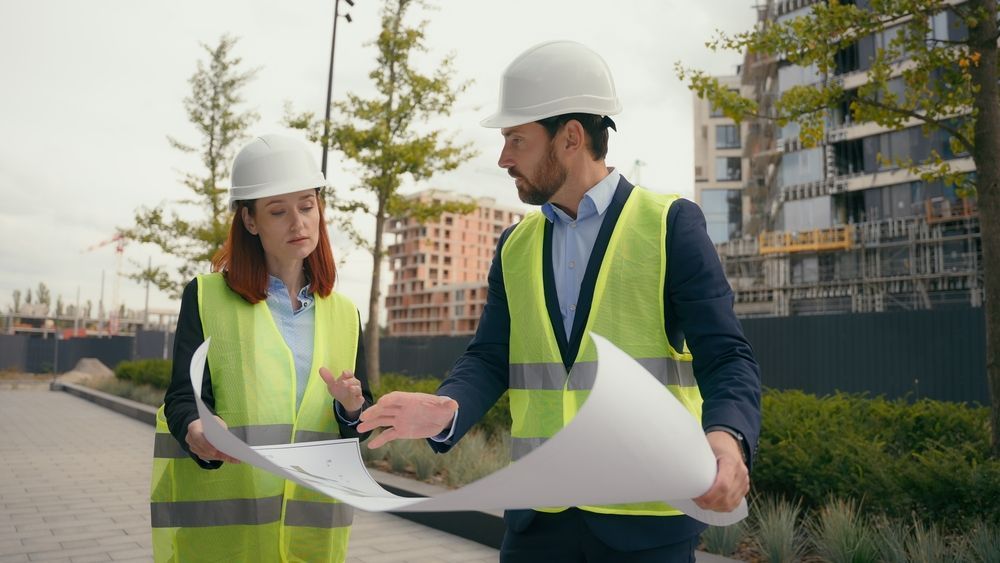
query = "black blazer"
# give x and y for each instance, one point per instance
(699, 310)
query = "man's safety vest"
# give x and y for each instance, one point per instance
(627, 309)
(238, 512)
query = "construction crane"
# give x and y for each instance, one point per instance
(119, 241)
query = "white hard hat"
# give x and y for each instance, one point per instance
(273, 165)
(552, 79)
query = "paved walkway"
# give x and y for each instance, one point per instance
(74, 487)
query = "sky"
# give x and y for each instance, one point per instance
(91, 90)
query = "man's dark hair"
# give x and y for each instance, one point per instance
(595, 126)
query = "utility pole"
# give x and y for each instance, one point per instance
(329, 82)
(145, 315)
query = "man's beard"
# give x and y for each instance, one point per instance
(550, 177)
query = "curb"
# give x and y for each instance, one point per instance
(486, 528)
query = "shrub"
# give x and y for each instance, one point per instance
(723, 540)
(841, 534)
(775, 532)
(982, 544)
(142, 393)
(929, 457)
(153, 372)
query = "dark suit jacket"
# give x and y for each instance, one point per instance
(699, 310)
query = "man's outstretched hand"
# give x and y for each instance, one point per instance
(407, 415)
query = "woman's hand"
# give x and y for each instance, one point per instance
(201, 447)
(346, 390)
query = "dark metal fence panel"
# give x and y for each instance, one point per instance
(431, 356)
(154, 344)
(14, 352)
(43, 356)
(938, 354)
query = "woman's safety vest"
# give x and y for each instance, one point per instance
(238, 512)
(627, 309)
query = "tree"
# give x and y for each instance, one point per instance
(213, 108)
(59, 306)
(948, 84)
(17, 300)
(44, 296)
(386, 137)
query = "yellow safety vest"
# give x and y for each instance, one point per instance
(238, 512)
(627, 309)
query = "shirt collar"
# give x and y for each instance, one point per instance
(277, 287)
(594, 202)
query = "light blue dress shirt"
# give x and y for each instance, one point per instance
(296, 327)
(573, 240)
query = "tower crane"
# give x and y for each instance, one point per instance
(119, 241)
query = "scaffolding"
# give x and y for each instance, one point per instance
(922, 262)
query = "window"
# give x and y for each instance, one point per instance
(727, 137)
(728, 168)
(847, 59)
(723, 213)
(849, 157)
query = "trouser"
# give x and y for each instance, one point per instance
(564, 537)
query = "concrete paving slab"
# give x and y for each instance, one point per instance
(74, 486)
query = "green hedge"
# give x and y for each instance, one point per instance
(496, 422)
(930, 458)
(149, 372)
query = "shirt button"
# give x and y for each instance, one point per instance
(572, 264)
(572, 225)
(572, 308)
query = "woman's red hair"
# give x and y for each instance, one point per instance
(241, 259)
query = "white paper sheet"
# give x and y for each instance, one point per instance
(632, 441)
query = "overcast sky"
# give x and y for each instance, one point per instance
(90, 91)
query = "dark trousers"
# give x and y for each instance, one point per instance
(564, 537)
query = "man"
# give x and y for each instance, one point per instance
(602, 256)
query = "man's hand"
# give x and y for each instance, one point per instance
(407, 415)
(346, 390)
(201, 447)
(732, 482)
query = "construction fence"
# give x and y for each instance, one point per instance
(936, 354)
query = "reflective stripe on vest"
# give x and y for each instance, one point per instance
(238, 512)
(627, 308)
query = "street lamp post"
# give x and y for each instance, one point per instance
(329, 82)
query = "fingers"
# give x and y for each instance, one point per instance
(731, 484)
(327, 376)
(201, 447)
(386, 436)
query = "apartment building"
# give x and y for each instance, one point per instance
(842, 227)
(719, 167)
(439, 268)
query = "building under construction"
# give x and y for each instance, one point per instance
(838, 227)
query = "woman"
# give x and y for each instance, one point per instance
(279, 333)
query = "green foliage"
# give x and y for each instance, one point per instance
(475, 457)
(982, 544)
(775, 529)
(145, 394)
(841, 534)
(213, 108)
(152, 372)
(938, 81)
(723, 540)
(929, 457)
(388, 137)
